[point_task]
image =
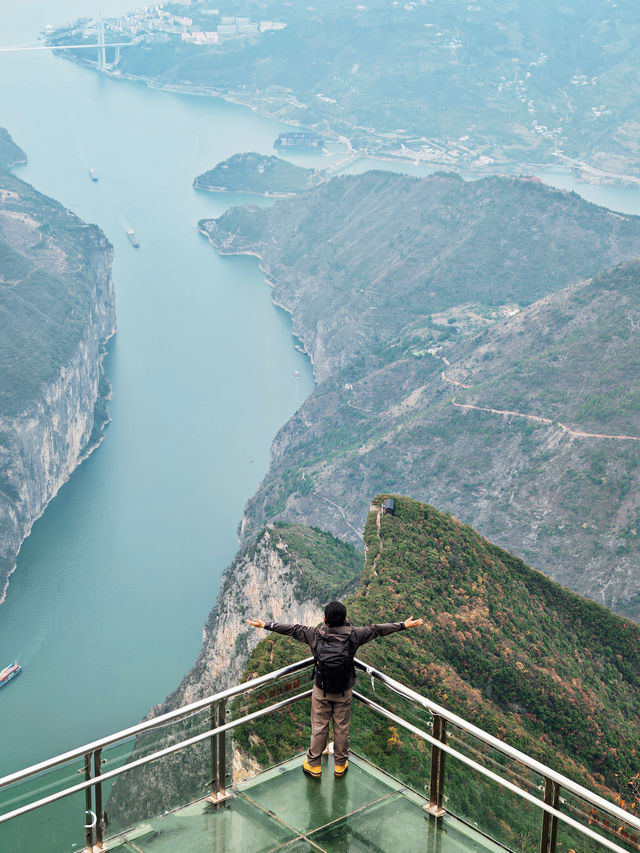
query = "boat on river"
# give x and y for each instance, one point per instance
(9, 672)
(93, 175)
(133, 239)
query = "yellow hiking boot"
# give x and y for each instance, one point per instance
(340, 769)
(310, 770)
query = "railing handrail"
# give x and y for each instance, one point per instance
(154, 722)
(501, 746)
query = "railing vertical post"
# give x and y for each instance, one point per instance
(436, 789)
(218, 755)
(214, 752)
(88, 811)
(549, 834)
(97, 772)
(222, 752)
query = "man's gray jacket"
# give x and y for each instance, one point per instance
(359, 634)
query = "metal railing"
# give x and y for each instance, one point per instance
(622, 825)
(91, 753)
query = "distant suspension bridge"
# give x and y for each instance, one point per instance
(99, 46)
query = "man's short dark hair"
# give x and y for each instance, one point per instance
(335, 613)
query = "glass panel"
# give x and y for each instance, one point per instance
(599, 821)
(306, 804)
(56, 828)
(469, 795)
(185, 776)
(163, 785)
(395, 824)
(390, 747)
(236, 826)
(269, 740)
(495, 811)
(35, 788)
(61, 822)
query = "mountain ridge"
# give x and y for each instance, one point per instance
(360, 258)
(503, 646)
(390, 411)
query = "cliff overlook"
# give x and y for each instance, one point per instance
(536, 665)
(463, 357)
(503, 646)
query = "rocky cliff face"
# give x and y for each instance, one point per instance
(57, 304)
(260, 584)
(41, 447)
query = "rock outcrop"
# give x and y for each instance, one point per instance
(260, 584)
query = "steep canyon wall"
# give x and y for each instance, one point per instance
(57, 310)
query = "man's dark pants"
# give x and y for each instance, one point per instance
(336, 707)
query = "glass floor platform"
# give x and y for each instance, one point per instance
(282, 809)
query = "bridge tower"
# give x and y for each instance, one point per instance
(102, 56)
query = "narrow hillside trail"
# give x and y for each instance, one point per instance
(349, 387)
(574, 433)
(342, 513)
(374, 565)
(507, 413)
(454, 381)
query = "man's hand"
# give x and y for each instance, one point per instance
(258, 623)
(411, 622)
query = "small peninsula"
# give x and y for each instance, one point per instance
(258, 174)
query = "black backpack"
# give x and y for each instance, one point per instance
(334, 655)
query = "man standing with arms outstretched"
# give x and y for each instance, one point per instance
(333, 644)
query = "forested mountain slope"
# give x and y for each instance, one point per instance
(363, 258)
(503, 646)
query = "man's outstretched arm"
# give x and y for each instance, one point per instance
(366, 633)
(302, 633)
